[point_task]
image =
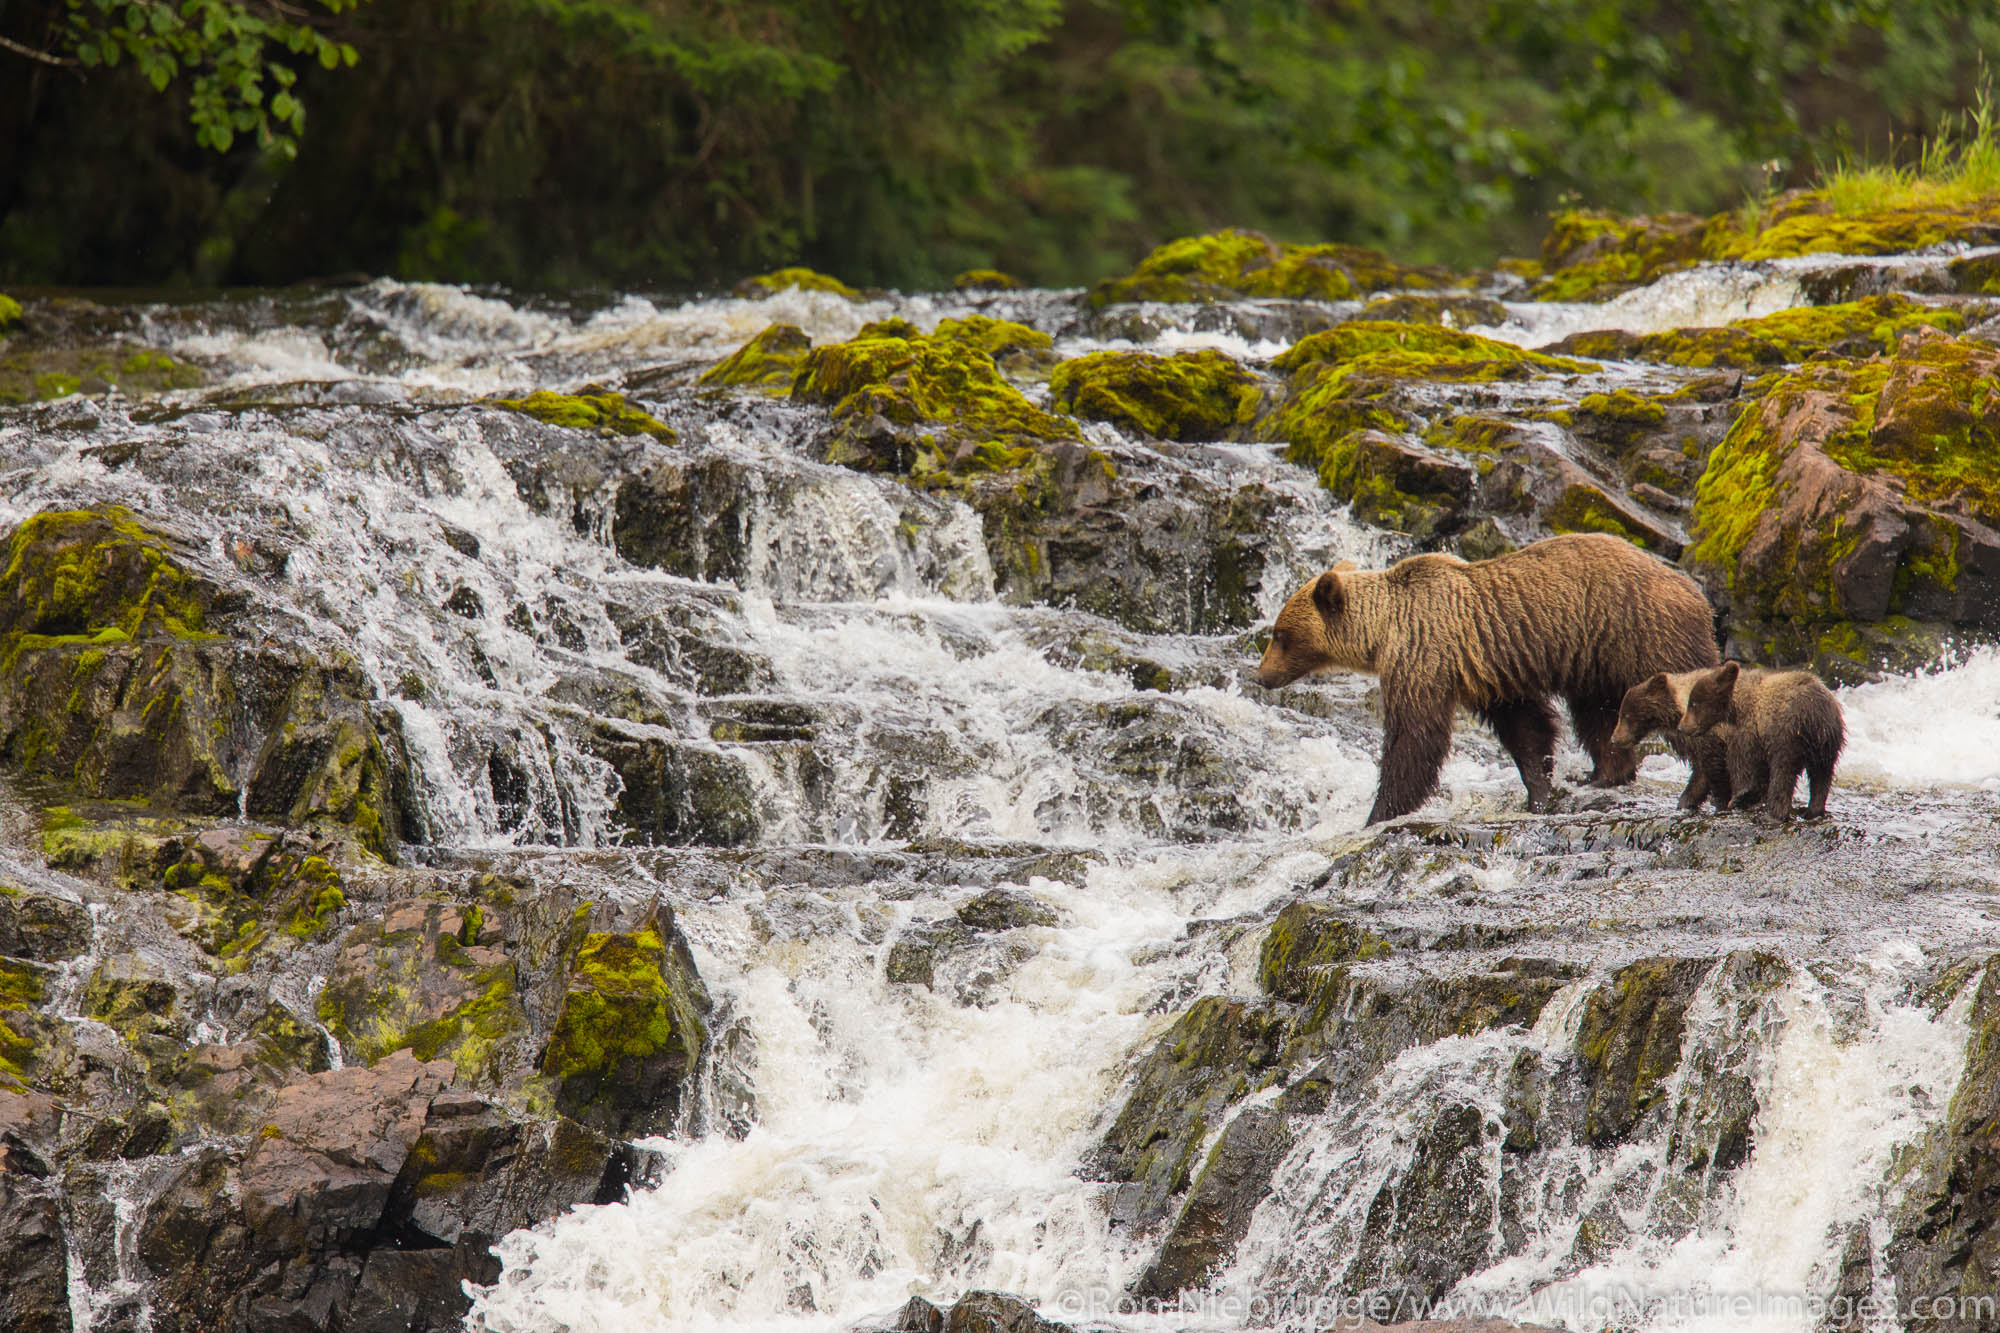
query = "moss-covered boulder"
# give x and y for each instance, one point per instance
(762, 285)
(34, 369)
(239, 888)
(769, 361)
(1851, 329)
(431, 978)
(1394, 482)
(922, 405)
(1015, 348)
(1856, 504)
(630, 1031)
(985, 280)
(1200, 395)
(1229, 264)
(590, 408)
(116, 682)
(1590, 256)
(1345, 379)
(1810, 222)
(23, 988)
(1630, 1041)
(42, 927)
(10, 312)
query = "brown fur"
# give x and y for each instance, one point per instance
(1657, 703)
(1773, 725)
(1582, 616)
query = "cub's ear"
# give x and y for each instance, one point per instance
(1344, 566)
(1328, 596)
(1658, 682)
(1725, 675)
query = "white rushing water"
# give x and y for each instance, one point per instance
(909, 1140)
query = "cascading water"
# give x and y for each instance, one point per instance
(868, 1128)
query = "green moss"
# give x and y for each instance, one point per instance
(1584, 508)
(32, 371)
(1228, 264)
(954, 408)
(1001, 339)
(621, 1008)
(1625, 408)
(1473, 433)
(1589, 256)
(95, 576)
(592, 409)
(21, 985)
(784, 279)
(1201, 395)
(1340, 377)
(317, 887)
(1307, 941)
(769, 361)
(10, 311)
(1861, 328)
(985, 280)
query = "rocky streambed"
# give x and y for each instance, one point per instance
(744, 812)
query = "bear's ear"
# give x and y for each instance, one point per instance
(1344, 566)
(1328, 595)
(1725, 675)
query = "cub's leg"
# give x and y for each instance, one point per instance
(1595, 719)
(1527, 728)
(1749, 773)
(1819, 776)
(1785, 765)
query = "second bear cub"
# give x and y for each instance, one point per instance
(1657, 704)
(1773, 725)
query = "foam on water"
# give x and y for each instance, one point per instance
(1937, 728)
(1703, 297)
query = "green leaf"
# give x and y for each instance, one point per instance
(329, 55)
(160, 75)
(86, 52)
(283, 105)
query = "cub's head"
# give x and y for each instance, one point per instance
(1708, 699)
(1649, 706)
(1316, 631)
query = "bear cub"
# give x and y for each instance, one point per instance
(1773, 725)
(1657, 704)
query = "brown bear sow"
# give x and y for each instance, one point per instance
(1657, 703)
(1585, 616)
(1773, 725)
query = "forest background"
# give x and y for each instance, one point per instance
(674, 145)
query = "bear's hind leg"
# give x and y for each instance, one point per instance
(1595, 719)
(1819, 776)
(1527, 728)
(1784, 780)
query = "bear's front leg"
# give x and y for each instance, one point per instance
(1415, 739)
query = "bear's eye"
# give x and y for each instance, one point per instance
(1280, 640)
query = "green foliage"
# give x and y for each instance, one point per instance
(232, 54)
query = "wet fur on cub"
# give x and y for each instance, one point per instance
(1658, 704)
(1773, 725)
(1584, 617)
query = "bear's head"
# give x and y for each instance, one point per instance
(1314, 632)
(1649, 706)
(1708, 699)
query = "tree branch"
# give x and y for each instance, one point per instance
(8, 44)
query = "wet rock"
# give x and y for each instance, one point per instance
(630, 1031)
(1852, 329)
(1845, 521)
(34, 1282)
(996, 1312)
(678, 793)
(366, 1201)
(1005, 909)
(1630, 1040)
(1396, 483)
(1233, 1181)
(42, 927)
(1416, 1243)
(431, 978)
(1943, 1251)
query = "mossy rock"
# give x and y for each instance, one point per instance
(592, 409)
(785, 279)
(242, 888)
(10, 312)
(1591, 256)
(1229, 264)
(1807, 223)
(1853, 328)
(1395, 483)
(1201, 395)
(431, 978)
(35, 370)
(985, 280)
(99, 575)
(923, 405)
(1343, 377)
(1630, 1041)
(24, 986)
(1452, 310)
(769, 361)
(1306, 942)
(1857, 492)
(1014, 347)
(630, 1032)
